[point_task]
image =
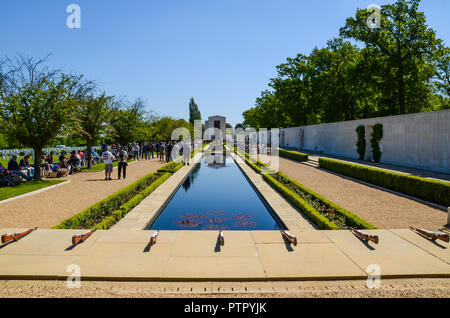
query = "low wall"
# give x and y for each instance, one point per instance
(419, 140)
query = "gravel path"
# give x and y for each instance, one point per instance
(51, 207)
(381, 208)
(413, 288)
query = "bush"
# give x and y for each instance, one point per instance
(321, 221)
(342, 218)
(128, 206)
(431, 190)
(171, 167)
(377, 135)
(94, 214)
(361, 143)
(293, 155)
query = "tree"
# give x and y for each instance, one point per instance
(93, 114)
(194, 112)
(37, 103)
(126, 121)
(406, 48)
(162, 128)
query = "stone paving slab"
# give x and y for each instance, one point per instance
(214, 268)
(122, 254)
(306, 261)
(206, 244)
(275, 237)
(395, 256)
(437, 248)
(47, 242)
(34, 266)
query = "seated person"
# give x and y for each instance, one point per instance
(95, 156)
(15, 168)
(6, 176)
(44, 164)
(50, 158)
(62, 156)
(57, 169)
(25, 165)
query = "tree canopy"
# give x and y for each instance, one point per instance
(398, 68)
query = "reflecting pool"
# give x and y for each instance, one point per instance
(216, 195)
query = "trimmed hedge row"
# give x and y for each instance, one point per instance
(94, 214)
(256, 165)
(293, 155)
(128, 206)
(321, 221)
(351, 220)
(171, 167)
(431, 190)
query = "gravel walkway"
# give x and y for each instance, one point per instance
(412, 288)
(381, 208)
(49, 208)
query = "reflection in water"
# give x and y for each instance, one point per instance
(190, 179)
(216, 199)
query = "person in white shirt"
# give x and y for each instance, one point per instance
(107, 158)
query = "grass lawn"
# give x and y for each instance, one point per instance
(25, 187)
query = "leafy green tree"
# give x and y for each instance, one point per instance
(126, 121)
(36, 103)
(93, 115)
(406, 49)
(194, 112)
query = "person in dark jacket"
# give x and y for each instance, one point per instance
(15, 168)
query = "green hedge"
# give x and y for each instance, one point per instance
(171, 167)
(94, 214)
(321, 221)
(351, 220)
(293, 155)
(128, 206)
(431, 190)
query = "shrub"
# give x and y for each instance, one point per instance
(431, 190)
(335, 213)
(361, 143)
(118, 214)
(293, 155)
(321, 221)
(171, 167)
(97, 212)
(377, 135)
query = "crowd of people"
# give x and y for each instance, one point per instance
(68, 164)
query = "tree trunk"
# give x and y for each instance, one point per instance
(89, 154)
(37, 163)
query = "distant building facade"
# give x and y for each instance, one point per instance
(214, 126)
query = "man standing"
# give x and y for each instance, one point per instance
(107, 158)
(123, 156)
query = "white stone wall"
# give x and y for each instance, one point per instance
(419, 140)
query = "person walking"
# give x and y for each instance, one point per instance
(161, 152)
(123, 156)
(107, 158)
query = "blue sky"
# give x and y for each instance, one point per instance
(221, 52)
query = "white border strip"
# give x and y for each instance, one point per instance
(34, 192)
